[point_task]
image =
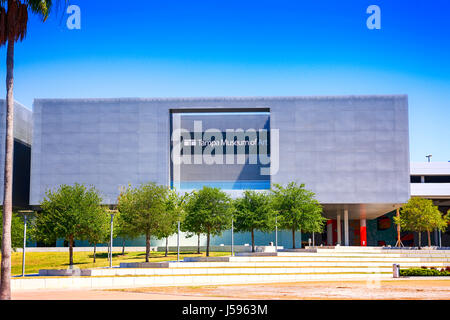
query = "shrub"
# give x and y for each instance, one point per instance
(423, 271)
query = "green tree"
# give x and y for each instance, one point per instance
(298, 209)
(122, 230)
(211, 209)
(144, 211)
(254, 211)
(174, 213)
(16, 230)
(14, 21)
(192, 227)
(190, 223)
(68, 213)
(420, 215)
(98, 230)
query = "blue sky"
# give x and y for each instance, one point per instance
(247, 48)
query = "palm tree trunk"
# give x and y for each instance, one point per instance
(5, 278)
(95, 251)
(429, 239)
(253, 240)
(293, 238)
(71, 250)
(167, 246)
(198, 243)
(147, 246)
(123, 246)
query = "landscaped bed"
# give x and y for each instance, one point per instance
(425, 271)
(59, 260)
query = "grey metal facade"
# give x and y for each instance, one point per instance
(352, 151)
(22, 152)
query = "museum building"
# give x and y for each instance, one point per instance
(351, 151)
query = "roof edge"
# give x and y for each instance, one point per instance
(18, 103)
(221, 98)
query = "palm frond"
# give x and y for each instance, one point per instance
(3, 33)
(11, 20)
(40, 7)
(14, 16)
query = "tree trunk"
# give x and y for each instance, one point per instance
(429, 239)
(95, 251)
(123, 246)
(198, 243)
(300, 231)
(147, 246)
(5, 278)
(207, 244)
(71, 250)
(253, 240)
(167, 246)
(293, 238)
(420, 239)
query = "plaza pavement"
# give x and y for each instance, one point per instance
(418, 288)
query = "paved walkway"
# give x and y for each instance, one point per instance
(324, 290)
(65, 294)
(415, 289)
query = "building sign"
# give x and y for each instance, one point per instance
(230, 150)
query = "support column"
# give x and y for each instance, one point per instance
(362, 233)
(329, 232)
(339, 229)
(346, 227)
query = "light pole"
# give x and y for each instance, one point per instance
(232, 238)
(429, 157)
(276, 233)
(178, 242)
(25, 213)
(112, 213)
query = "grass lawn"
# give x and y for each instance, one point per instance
(60, 260)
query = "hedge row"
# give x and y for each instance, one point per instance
(424, 272)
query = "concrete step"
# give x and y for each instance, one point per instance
(241, 270)
(176, 280)
(341, 248)
(375, 249)
(234, 268)
(296, 263)
(248, 270)
(362, 254)
(284, 267)
(304, 259)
